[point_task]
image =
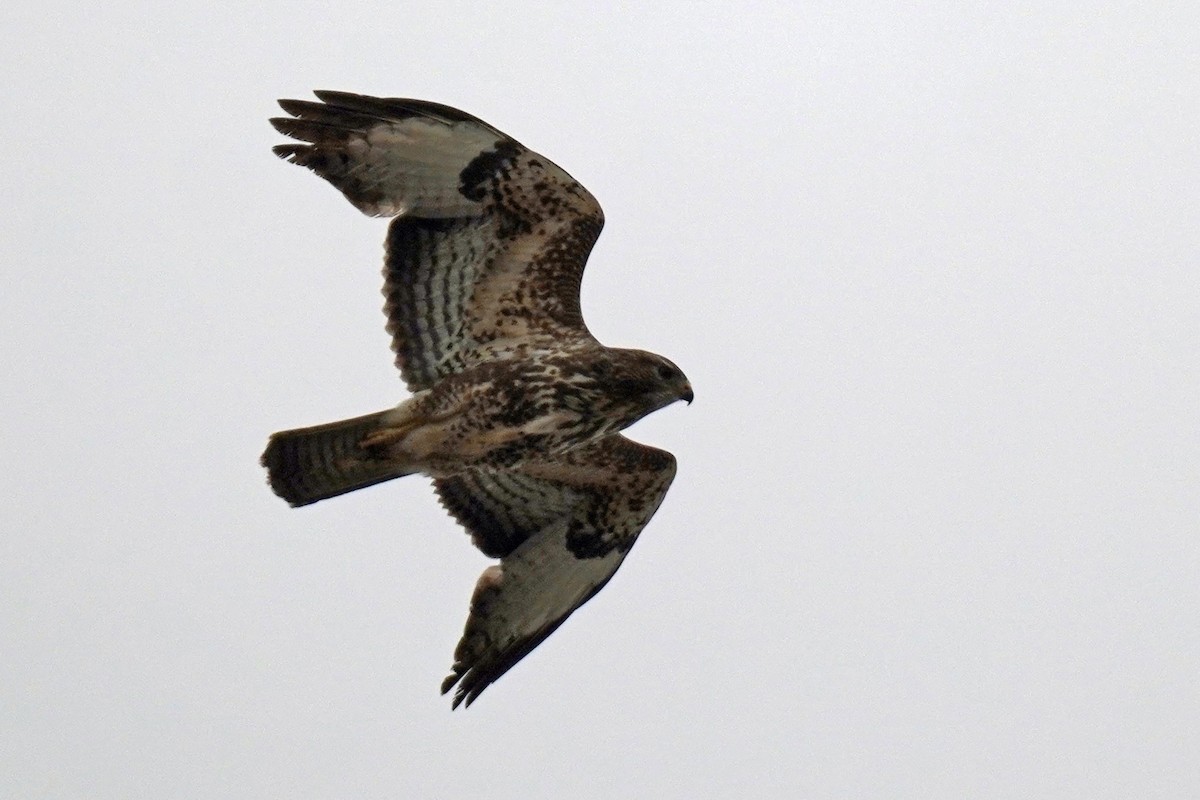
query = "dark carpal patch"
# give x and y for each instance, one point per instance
(474, 182)
(589, 537)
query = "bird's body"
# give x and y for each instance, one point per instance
(516, 408)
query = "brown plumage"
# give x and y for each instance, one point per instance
(516, 408)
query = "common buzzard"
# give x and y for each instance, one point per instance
(515, 409)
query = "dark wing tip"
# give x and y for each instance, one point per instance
(466, 692)
(399, 108)
(300, 108)
(289, 152)
(333, 97)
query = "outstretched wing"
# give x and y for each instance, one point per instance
(489, 241)
(562, 527)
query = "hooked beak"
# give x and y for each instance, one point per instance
(687, 395)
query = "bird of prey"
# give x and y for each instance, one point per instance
(516, 409)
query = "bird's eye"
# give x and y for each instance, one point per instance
(665, 372)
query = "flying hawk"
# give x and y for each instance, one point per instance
(515, 409)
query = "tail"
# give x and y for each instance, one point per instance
(310, 464)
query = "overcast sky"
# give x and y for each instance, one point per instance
(934, 273)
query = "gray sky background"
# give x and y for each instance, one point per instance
(933, 271)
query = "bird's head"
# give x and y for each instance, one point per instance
(646, 382)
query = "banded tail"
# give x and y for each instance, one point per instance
(310, 464)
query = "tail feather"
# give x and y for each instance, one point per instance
(310, 464)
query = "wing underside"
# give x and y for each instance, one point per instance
(489, 241)
(562, 527)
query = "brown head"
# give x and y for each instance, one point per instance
(640, 382)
